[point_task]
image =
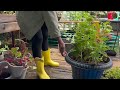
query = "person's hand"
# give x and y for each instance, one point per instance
(62, 47)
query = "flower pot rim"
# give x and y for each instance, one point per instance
(88, 66)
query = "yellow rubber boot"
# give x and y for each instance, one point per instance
(47, 59)
(40, 68)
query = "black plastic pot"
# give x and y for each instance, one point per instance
(87, 71)
(5, 75)
(5, 71)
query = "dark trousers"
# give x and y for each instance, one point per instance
(40, 41)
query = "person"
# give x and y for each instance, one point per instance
(36, 26)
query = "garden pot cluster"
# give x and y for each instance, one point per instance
(9, 71)
(16, 60)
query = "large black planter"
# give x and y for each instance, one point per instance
(87, 71)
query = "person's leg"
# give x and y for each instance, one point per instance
(39, 60)
(37, 45)
(45, 37)
(45, 48)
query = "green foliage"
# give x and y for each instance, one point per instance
(76, 15)
(113, 73)
(89, 45)
(18, 54)
(3, 49)
(98, 14)
(20, 51)
(73, 15)
(15, 52)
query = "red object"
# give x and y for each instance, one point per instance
(110, 15)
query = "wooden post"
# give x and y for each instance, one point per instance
(13, 39)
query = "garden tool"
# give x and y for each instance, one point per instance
(40, 68)
(47, 59)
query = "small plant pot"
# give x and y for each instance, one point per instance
(87, 71)
(17, 71)
(12, 72)
(22, 76)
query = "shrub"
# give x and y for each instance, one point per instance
(113, 73)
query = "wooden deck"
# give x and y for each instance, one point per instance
(63, 71)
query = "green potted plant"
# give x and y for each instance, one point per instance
(2, 52)
(88, 58)
(17, 59)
